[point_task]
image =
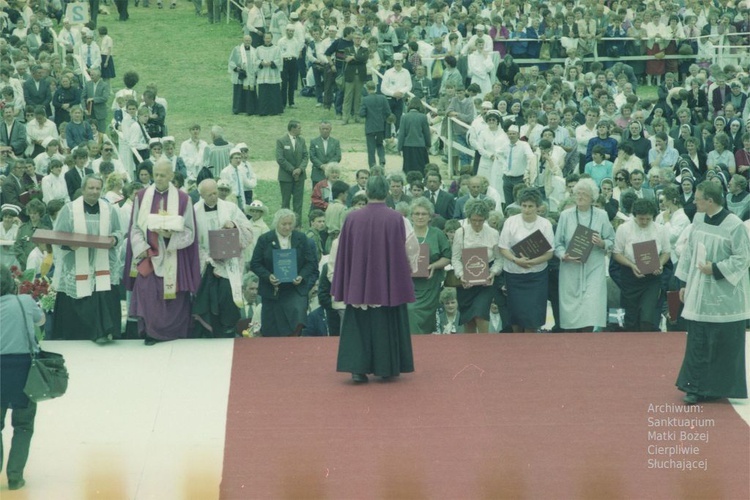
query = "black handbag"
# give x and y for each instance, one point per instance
(48, 376)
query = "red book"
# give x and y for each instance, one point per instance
(533, 246)
(646, 256)
(71, 239)
(673, 304)
(476, 267)
(423, 263)
(224, 243)
(581, 243)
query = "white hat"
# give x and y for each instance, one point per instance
(155, 141)
(235, 151)
(8, 207)
(168, 138)
(487, 105)
(294, 15)
(257, 205)
(398, 56)
(479, 27)
(241, 146)
(289, 27)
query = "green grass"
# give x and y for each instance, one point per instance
(187, 58)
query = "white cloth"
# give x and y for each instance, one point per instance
(728, 246)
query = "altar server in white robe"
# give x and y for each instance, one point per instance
(87, 306)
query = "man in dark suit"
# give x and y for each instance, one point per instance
(323, 149)
(375, 110)
(720, 94)
(74, 177)
(291, 155)
(36, 91)
(636, 186)
(13, 132)
(94, 97)
(475, 192)
(443, 201)
(396, 192)
(362, 175)
(355, 73)
(13, 185)
(157, 116)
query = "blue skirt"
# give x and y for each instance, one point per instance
(109, 71)
(527, 298)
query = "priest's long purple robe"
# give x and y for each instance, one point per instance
(372, 267)
(159, 318)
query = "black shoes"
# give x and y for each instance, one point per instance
(149, 340)
(17, 484)
(691, 399)
(359, 378)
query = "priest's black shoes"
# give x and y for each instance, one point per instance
(359, 378)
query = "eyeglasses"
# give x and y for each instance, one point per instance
(619, 178)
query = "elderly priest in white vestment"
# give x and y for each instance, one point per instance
(217, 304)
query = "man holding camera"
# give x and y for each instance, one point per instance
(241, 62)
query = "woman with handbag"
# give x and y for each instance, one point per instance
(19, 315)
(474, 299)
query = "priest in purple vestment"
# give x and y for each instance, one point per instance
(162, 264)
(377, 251)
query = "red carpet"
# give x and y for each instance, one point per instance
(483, 416)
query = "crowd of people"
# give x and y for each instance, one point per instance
(551, 150)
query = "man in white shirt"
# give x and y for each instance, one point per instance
(519, 163)
(481, 34)
(248, 172)
(108, 156)
(255, 25)
(396, 85)
(192, 150)
(290, 52)
(235, 177)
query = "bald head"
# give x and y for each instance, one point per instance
(163, 174)
(209, 191)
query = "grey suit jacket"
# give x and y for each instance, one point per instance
(319, 157)
(375, 109)
(101, 96)
(648, 193)
(414, 131)
(290, 158)
(444, 203)
(17, 139)
(34, 97)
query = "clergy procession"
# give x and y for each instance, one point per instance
(517, 180)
